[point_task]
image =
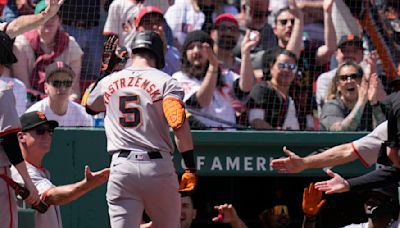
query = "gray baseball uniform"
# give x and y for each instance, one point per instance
(9, 123)
(41, 179)
(142, 172)
(367, 148)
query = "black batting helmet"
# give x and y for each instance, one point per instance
(6, 46)
(152, 42)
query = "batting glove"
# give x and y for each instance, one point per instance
(188, 181)
(312, 202)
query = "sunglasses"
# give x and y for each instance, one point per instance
(292, 67)
(43, 130)
(347, 77)
(285, 21)
(58, 83)
(280, 209)
(261, 14)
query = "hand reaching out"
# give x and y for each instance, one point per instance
(335, 185)
(291, 164)
(95, 179)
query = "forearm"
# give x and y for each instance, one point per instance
(64, 194)
(377, 178)
(377, 115)
(22, 170)
(295, 42)
(25, 23)
(334, 156)
(247, 77)
(238, 223)
(352, 121)
(183, 137)
(205, 93)
(309, 222)
(325, 52)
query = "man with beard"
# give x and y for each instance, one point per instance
(276, 216)
(225, 34)
(209, 91)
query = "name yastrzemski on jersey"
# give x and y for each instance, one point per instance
(132, 81)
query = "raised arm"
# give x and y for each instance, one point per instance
(227, 214)
(67, 193)
(325, 52)
(247, 77)
(28, 22)
(296, 38)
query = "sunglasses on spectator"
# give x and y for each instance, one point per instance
(260, 14)
(59, 83)
(292, 67)
(285, 21)
(347, 77)
(280, 209)
(226, 28)
(43, 130)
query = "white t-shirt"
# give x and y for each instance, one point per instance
(76, 115)
(221, 104)
(182, 18)
(41, 179)
(19, 90)
(121, 20)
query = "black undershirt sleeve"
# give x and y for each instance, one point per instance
(375, 179)
(11, 147)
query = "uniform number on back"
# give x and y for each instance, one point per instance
(131, 114)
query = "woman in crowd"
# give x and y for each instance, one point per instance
(271, 107)
(352, 103)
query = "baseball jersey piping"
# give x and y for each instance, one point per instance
(10, 131)
(365, 163)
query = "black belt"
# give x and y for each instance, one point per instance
(81, 24)
(151, 154)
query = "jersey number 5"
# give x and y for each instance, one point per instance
(132, 116)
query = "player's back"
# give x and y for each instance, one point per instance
(133, 100)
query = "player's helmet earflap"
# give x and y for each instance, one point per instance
(152, 42)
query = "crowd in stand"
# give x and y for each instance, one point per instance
(259, 64)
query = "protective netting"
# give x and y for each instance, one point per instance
(273, 64)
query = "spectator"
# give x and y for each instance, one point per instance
(162, 5)
(81, 19)
(209, 92)
(38, 48)
(312, 58)
(353, 100)
(19, 88)
(349, 47)
(184, 17)
(15, 8)
(277, 216)
(253, 16)
(121, 20)
(151, 18)
(35, 141)
(271, 107)
(225, 34)
(57, 106)
(188, 210)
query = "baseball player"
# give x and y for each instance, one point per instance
(9, 150)
(35, 140)
(141, 103)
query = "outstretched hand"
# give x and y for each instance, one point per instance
(291, 164)
(53, 7)
(95, 179)
(335, 185)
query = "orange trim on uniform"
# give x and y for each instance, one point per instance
(10, 131)
(44, 195)
(365, 163)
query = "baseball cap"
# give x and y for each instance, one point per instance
(58, 67)
(6, 46)
(350, 38)
(225, 17)
(33, 119)
(146, 10)
(196, 36)
(40, 6)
